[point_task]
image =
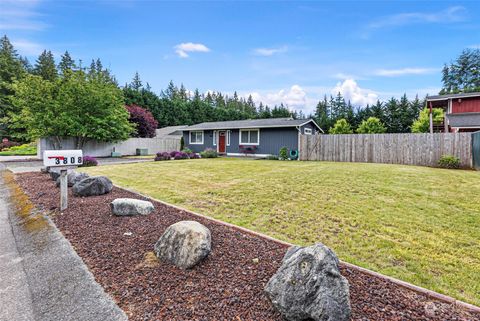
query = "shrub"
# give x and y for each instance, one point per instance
(25, 149)
(89, 161)
(182, 143)
(194, 156)
(162, 156)
(341, 127)
(7, 144)
(283, 153)
(449, 161)
(187, 150)
(422, 124)
(372, 125)
(143, 118)
(180, 155)
(209, 153)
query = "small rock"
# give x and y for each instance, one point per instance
(130, 206)
(95, 185)
(55, 173)
(308, 286)
(430, 309)
(73, 177)
(128, 233)
(255, 260)
(184, 244)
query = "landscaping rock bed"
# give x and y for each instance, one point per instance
(227, 285)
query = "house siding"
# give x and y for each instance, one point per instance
(271, 140)
(466, 105)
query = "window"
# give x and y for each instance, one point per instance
(214, 138)
(307, 131)
(196, 137)
(249, 136)
(228, 138)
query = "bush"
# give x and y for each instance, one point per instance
(187, 150)
(7, 144)
(162, 156)
(180, 155)
(283, 153)
(422, 124)
(144, 120)
(25, 149)
(209, 153)
(372, 125)
(449, 161)
(89, 161)
(194, 156)
(173, 153)
(341, 127)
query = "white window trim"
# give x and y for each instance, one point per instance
(214, 138)
(307, 131)
(190, 137)
(249, 130)
(228, 138)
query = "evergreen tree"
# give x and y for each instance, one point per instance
(12, 68)
(136, 83)
(45, 66)
(462, 75)
(67, 64)
(321, 115)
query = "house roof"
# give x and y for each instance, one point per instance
(453, 96)
(170, 131)
(465, 120)
(252, 123)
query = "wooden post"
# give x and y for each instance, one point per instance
(431, 118)
(63, 190)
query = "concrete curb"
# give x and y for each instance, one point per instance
(418, 289)
(61, 285)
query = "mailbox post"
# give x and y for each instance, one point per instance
(63, 160)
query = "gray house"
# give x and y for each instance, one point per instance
(255, 137)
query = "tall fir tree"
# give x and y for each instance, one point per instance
(66, 64)
(45, 66)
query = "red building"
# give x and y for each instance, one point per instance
(462, 112)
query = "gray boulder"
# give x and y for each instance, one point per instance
(91, 186)
(309, 286)
(184, 244)
(130, 206)
(55, 173)
(73, 178)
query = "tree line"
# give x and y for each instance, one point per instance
(70, 98)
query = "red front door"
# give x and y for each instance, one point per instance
(221, 142)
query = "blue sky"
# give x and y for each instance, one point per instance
(293, 52)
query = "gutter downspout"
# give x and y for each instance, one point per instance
(299, 141)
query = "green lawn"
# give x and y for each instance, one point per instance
(418, 224)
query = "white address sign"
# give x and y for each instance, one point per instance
(62, 158)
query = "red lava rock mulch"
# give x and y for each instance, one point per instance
(228, 285)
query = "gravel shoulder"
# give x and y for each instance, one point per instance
(228, 285)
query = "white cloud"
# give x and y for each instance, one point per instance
(267, 52)
(353, 93)
(28, 48)
(404, 71)
(449, 15)
(21, 15)
(183, 49)
(452, 14)
(477, 46)
(295, 97)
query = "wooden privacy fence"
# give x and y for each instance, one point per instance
(408, 149)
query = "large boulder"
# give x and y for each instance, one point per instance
(308, 286)
(73, 178)
(130, 206)
(184, 244)
(95, 185)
